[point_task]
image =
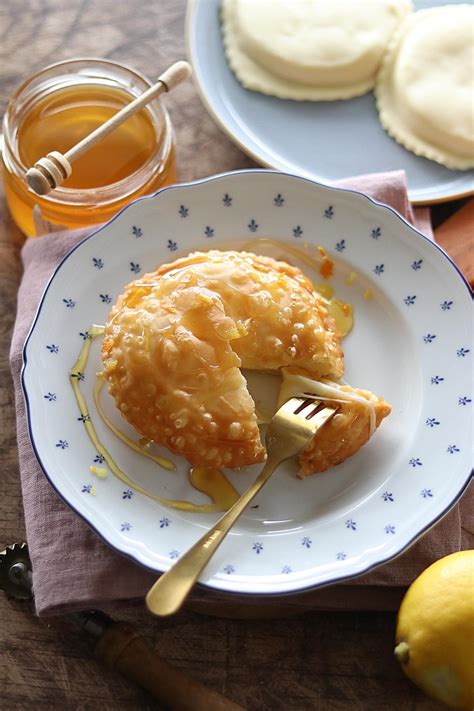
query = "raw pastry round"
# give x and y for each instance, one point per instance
(176, 339)
(309, 49)
(425, 88)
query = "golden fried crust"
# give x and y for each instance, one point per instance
(343, 435)
(176, 338)
(281, 319)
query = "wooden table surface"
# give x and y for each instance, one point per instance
(326, 661)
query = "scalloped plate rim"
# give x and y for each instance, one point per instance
(219, 583)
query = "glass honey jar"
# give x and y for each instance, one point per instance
(56, 108)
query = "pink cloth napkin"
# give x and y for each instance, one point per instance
(74, 569)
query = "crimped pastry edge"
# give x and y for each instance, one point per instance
(398, 132)
(294, 93)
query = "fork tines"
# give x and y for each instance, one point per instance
(313, 406)
(310, 403)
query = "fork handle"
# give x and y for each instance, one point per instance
(171, 589)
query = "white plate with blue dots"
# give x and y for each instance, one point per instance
(411, 343)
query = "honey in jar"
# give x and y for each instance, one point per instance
(58, 107)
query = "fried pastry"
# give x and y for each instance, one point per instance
(309, 49)
(425, 88)
(176, 339)
(360, 413)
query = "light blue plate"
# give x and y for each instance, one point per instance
(325, 141)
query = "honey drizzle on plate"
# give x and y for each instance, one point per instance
(341, 312)
(209, 481)
(136, 446)
(212, 482)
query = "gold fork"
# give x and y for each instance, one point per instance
(290, 430)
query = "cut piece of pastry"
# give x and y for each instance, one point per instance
(309, 49)
(425, 88)
(360, 413)
(175, 340)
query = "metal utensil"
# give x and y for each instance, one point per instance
(290, 430)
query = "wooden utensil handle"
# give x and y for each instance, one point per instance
(170, 78)
(49, 172)
(122, 649)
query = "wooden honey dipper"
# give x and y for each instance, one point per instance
(49, 172)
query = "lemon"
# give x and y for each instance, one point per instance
(435, 630)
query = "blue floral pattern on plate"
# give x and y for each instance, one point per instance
(446, 305)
